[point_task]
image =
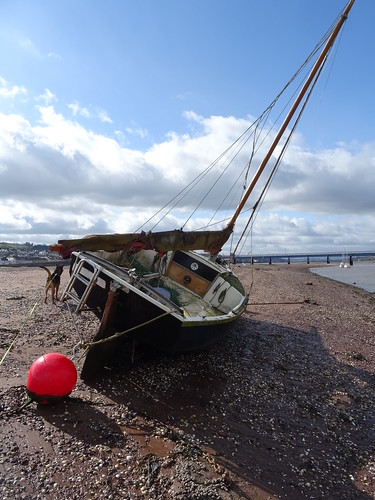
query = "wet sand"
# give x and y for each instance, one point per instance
(282, 408)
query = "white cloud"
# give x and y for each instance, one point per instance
(103, 116)
(137, 131)
(97, 113)
(29, 46)
(76, 109)
(47, 98)
(185, 96)
(53, 55)
(339, 180)
(10, 92)
(12, 219)
(58, 178)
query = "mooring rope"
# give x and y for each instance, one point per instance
(18, 333)
(31, 312)
(120, 334)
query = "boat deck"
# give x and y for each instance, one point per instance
(192, 304)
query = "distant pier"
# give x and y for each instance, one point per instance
(308, 258)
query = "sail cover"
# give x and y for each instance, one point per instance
(162, 242)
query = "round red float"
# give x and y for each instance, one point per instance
(51, 377)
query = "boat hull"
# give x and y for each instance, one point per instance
(131, 315)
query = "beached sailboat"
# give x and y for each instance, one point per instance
(154, 287)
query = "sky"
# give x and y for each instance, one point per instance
(107, 109)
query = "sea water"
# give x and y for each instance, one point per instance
(361, 274)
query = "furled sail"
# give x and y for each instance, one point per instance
(163, 241)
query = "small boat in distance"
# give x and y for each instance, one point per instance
(169, 289)
(346, 261)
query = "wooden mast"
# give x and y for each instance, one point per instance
(293, 109)
(211, 241)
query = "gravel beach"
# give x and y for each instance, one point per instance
(282, 408)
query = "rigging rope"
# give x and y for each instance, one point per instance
(266, 187)
(255, 131)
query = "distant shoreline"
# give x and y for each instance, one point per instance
(36, 263)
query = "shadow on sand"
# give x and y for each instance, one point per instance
(83, 421)
(269, 403)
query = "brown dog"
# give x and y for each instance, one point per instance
(53, 282)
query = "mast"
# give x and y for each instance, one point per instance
(210, 241)
(292, 111)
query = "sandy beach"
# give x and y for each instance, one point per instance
(282, 408)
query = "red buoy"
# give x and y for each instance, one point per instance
(51, 377)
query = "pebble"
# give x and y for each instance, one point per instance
(276, 398)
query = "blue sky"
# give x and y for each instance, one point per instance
(106, 107)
